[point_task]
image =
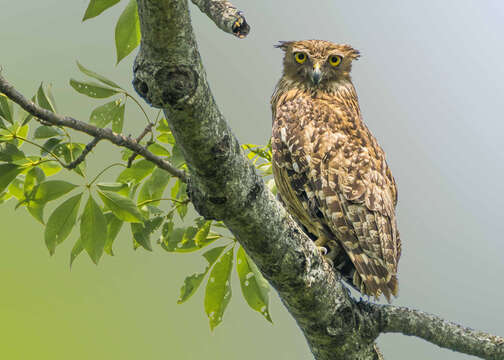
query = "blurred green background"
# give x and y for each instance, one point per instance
(430, 84)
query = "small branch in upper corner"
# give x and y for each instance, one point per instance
(225, 16)
(145, 131)
(83, 155)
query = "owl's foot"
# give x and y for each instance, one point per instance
(321, 244)
(322, 250)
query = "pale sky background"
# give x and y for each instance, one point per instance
(430, 84)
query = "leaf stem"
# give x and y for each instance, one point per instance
(139, 105)
(42, 148)
(101, 172)
(180, 202)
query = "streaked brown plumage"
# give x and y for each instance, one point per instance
(330, 172)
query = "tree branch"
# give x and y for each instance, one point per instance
(139, 138)
(225, 16)
(394, 319)
(168, 74)
(83, 155)
(98, 133)
(224, 185)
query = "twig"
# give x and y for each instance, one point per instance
(145, 131)
(83, 155)
(225, 16)
(107, 134)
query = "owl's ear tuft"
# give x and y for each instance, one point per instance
(354, 54)
(284, 45)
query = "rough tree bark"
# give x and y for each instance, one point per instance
(223, 185)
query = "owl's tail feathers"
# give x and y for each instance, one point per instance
(388, 289)
(372, 278)
(393, 288)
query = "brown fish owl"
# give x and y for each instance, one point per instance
(330, 172)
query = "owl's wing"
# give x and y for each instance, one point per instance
(339, 178)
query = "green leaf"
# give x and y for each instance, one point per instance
(254, 287)
(45, 192)
(61, 222)
(127, 31)
(118, 121)
(6, 108)
(158, 150)
(93, 230)
(33, 177)
(96, 7)
(4, 197)
(49, 145)
(113, 227)
(92, 89)
(50, 97)
(21, 131)
(137, 172)
(122, 207)
(70, 152)
(8, 172)
(218, 289)
(36, 209)
(202, 234)
(179, 192)
(51, 190)
(186, 240)
(94, 75)
(142, 232)
(111, 186)
(163, 126)
(141, 236)
(10, 152)
(107, 113)
(50, 168)
(76, 250)
(45, 132)
(192, 282)
(43, 100)
(16, 189)
(177, 158)
(166, 138)
(27, 119)
(154, 186)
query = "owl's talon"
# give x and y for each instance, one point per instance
(323, 250)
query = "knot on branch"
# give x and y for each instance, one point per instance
(164, 85)
(213, 204)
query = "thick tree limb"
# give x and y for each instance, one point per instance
(169, 75)
(224, 185)
(98, 133)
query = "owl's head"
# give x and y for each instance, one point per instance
(317, 62)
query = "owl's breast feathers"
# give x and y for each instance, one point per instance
(333, 177)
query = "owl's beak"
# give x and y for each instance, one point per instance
(316, 75)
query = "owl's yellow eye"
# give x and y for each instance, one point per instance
(334, 60)
(300, 57)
